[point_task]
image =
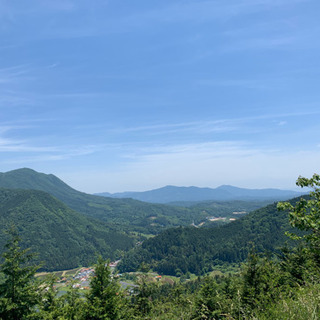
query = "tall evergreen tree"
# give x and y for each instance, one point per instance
(19, 292)
(73, 304)
(103, 300)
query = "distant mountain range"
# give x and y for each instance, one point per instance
(172, 194)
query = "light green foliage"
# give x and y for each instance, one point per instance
(305, 215)
(303, 305)
(208, 304)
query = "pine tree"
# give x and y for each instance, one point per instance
(19, 292)
(73, 304)
(103, 300)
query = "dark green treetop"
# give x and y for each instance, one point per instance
(18, 293)
(104, 297)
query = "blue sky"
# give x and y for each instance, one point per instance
(118, 95)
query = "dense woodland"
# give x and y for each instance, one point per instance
(281, 286)
(65, 238)
(123, 214)
(270, 259)
(182, 250)
(62, 238)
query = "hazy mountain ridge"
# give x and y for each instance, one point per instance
(171, 194)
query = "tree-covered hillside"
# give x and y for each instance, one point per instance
(62, 237)
(282, 286)
(267, 286)
(124, 214)
(182, 250)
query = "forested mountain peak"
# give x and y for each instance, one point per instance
(26, 178)
(126, 214)
(63, 238)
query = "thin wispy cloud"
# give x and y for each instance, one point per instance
(175, 12)
(14, 73)
(203, 126)
(18, 146)
(207, 10)
(244, 83)
(42, 155)
(35, 7)
(10, 99)
(202, 151)
(220, 125)
(217, 163)
(165, 92)
(265, 43)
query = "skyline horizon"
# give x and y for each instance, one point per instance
(114, 96)
(296, 189)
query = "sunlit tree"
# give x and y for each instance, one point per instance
(19, 292)
(104, 298)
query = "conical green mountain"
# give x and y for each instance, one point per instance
(29, 179)
(62, 237)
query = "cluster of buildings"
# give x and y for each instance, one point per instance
(83, 276)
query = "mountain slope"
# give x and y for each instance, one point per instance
(29, 179)
(170, 194)
(63, 238)
(123, 214)
(198, 250)
(128, 214)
